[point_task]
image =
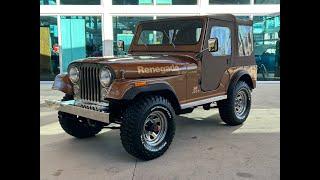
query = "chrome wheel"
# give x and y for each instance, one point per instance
(154, 130)
(240, 106)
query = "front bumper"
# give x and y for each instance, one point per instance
(71, 108)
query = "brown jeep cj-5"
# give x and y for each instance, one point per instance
(173, 66)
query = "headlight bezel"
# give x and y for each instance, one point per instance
(74, 80)
(109, 72)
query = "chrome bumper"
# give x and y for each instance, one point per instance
(69, 107)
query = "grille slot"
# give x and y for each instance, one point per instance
(89, 83)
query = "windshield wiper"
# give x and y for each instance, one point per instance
(170, 40)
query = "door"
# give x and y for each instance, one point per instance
(214, 64)
(73, 41)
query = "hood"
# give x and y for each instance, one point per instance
(145, 66)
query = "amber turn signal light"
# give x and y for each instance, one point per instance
(140, 83)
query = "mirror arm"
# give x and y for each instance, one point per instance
(199, 55)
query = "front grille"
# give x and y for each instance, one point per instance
(89, 83)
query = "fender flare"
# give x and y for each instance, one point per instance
(235, 78)
(133, 92)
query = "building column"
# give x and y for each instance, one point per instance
(202, 5)
(107, 35)
(107, 28)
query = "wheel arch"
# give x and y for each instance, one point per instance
(160, 89)
(242, 75)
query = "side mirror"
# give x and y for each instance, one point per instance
(120, 45)
(213, 44)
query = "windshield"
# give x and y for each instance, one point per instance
(171, 32)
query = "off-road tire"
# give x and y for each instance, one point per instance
(227, 107)
(132, 126)
(77, 126)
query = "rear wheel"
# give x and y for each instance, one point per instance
(148, 127)
(236, 108)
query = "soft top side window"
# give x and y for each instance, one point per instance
(223, 34)
(245, 40)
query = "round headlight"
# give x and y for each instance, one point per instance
(105, 77)
(74, 74)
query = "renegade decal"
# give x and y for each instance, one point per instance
(163, 69)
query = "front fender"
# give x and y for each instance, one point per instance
(127, 90)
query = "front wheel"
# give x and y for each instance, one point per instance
(148, 127)
(78, 127)
(235, 109)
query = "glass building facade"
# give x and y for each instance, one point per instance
(48, 2)
(80, 2)
(81, 37)
(49, 49)
(229, 2)
(266, 32)
(97, 25)
(124, 29)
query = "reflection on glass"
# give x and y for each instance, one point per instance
(132, 2)
(229, 1)
(81, 37)
(243, 17)
(267, 1)
(48, 2)
(149, 37)
(266, 32)
(49, 49)
(80, 2)
(176, 2)
(223, 35)
(245, 40)
(123, 29)
(175, 32)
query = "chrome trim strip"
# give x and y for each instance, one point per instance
(68, 107)
(203, 101)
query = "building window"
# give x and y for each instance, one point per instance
(48, 2)
(49, 49)
(266, 34)
(245, 40)
(80, 2)
(229, 1)
(124, 29)
(223, 35)
(176, 2)
(132, 2)
(81, 37)
(266, 1)
(243, 17)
